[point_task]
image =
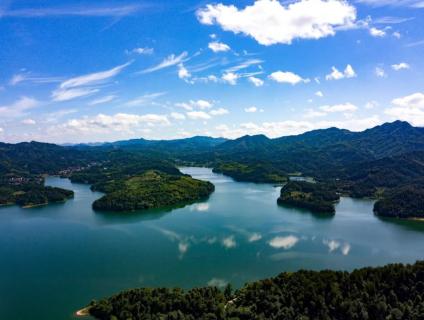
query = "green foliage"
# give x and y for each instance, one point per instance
(317, 197)
(403, 202)
(390, 292)
(258, 172)
(152, 189)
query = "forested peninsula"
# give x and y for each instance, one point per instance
(391, 292)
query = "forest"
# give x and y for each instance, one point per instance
(392, 292)
(317, 197)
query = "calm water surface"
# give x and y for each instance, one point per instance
(55, 259)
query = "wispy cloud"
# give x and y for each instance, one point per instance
(24, 77)
(84, 11)
(83, 85)
(169, 61)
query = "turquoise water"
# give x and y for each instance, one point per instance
(55, 259)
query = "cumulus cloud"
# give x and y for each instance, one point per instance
(335, 74)
(334, 245)
(271, 22)
(287, 77)
(171, 60)
(120, 122)
(256, 81)
(216, 46)
(291, 127)
(230, 78)
(195, 104)
(177, 116)
(319, 94)
(283, 242)
(201, 207)
(183, 73)
(198, 115)
(401, 66)
(254, 237)
(378, 33)
(409, 108)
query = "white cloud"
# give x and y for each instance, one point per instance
(218, 46)
(256, 81)
(198, 115)
(283, 242)
(401, 66)
(230, 78)
(84, 11)
(251, 109)
(319, 94)
(346, 107)
(371, 105)
(379, 72)
(183, 247)
(346, 249)
(82, 86)
(201, 207)
(93, 78)
(219, 283)
(28, 121)
(287, 77)
(409, 108)
(335, 74)
(70, 94)
(254, 237)
(120, 122)
(397, 35)
(183, 73)
(218, 112)
(18, 108)
(332, 245)
(378, 33)
(144, 50)
(395, 3)
(270, 22)
(102, 100)
(177, 116)
(144, 99)
(1, 130)
(229, 242)
(171, 60)
(195, 104)
(292, 127)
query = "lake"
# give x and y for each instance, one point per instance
(57, 258)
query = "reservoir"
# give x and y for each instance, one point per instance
(57, 258)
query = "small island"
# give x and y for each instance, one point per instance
(317, 197)
(150, 190)
(391, 292)
(405, 203)
(29, 191)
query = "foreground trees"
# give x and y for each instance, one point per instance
(391, 292)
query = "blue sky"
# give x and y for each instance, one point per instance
(86, 71)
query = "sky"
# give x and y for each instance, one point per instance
(93, 71)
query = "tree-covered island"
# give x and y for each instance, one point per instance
(317, 197)
(392, 292)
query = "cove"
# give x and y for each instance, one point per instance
(56, 258)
